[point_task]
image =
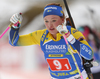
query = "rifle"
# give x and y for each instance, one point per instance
(87, 64)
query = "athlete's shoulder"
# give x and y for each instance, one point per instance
(76, 33)
(71, 29)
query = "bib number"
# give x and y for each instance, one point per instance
(59, 64)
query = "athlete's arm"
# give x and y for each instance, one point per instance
(25, 40)
(76, 40)
(81, 44)
(22, 40)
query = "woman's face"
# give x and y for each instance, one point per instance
(51, 22)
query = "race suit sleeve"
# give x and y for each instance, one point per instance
(81, 44)
(24, 40)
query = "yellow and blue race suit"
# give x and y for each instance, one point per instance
(56, 53)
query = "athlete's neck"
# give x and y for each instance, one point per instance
(54, 36)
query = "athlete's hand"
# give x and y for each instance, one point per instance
(64, 31)
(16, 19)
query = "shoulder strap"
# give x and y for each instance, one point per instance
(69, 28)
(43, 37)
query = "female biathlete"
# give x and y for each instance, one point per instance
(60, 62)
